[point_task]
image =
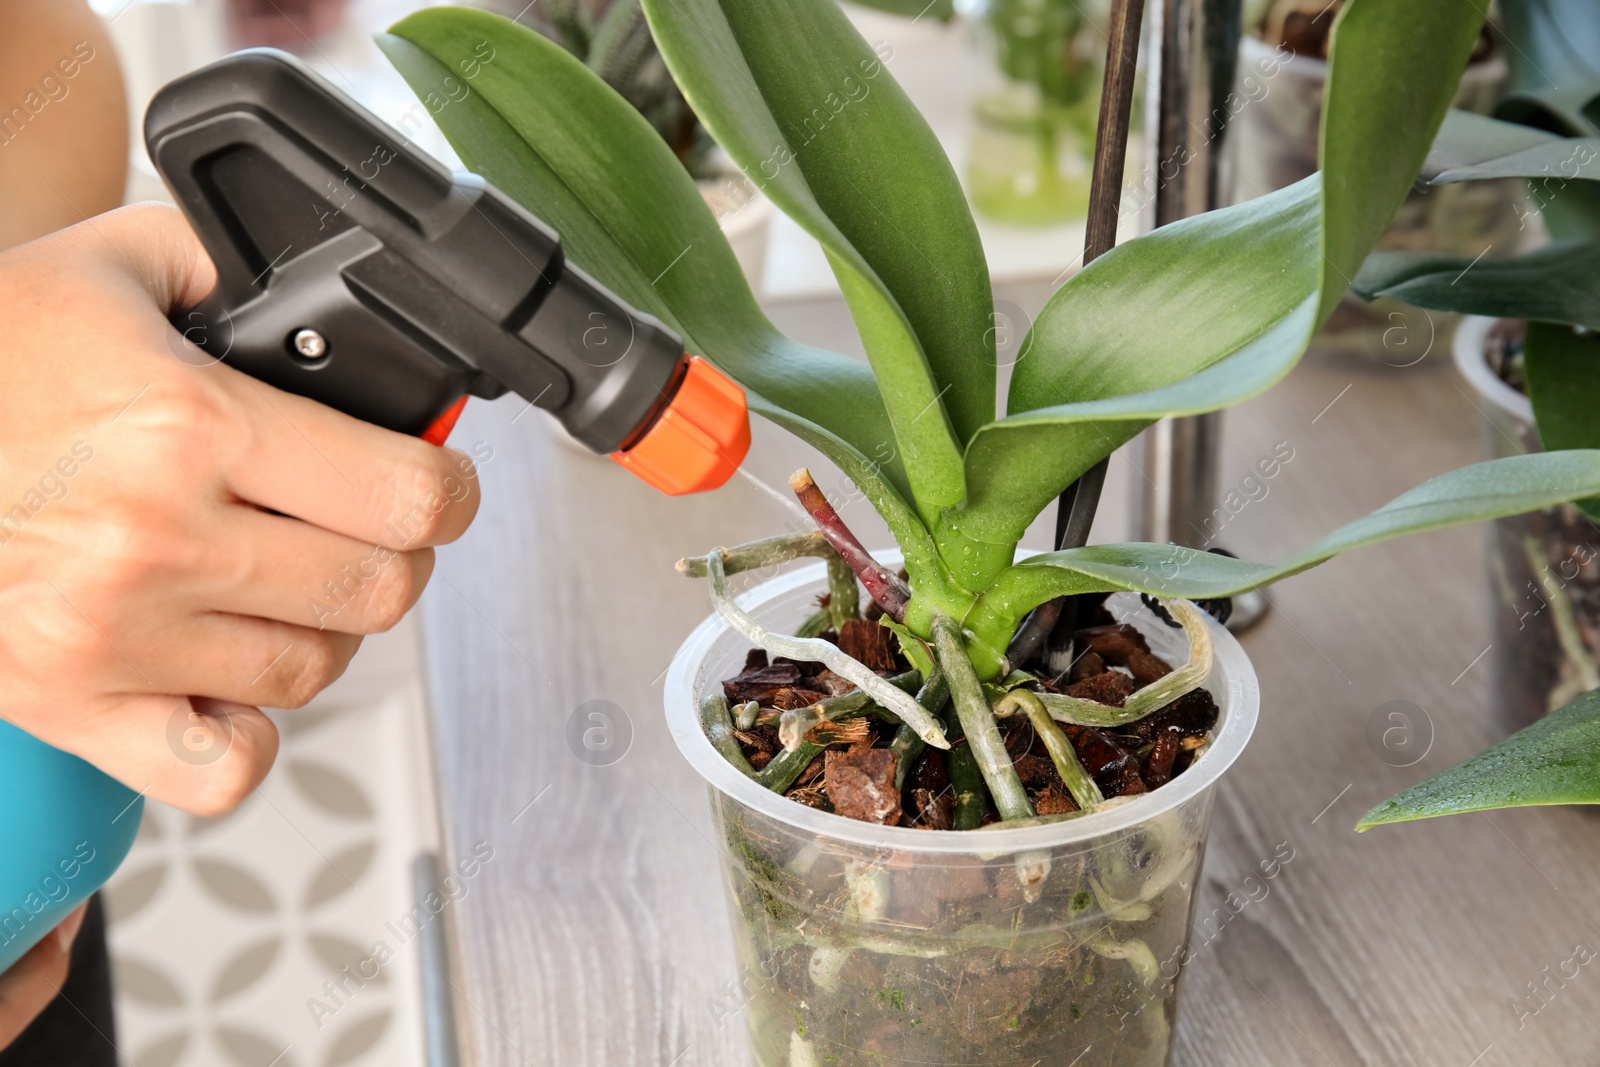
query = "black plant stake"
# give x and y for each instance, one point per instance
(1075, 510)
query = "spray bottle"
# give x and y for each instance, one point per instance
(355, 270)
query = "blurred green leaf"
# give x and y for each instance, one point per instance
(1394, 68)
(1553, 284)
(1562, 172)
(1563, 369)
(806, 108)
(651, 238)
(1554, 761)
(1467, 139)
(1558, 160)
(1555, 44)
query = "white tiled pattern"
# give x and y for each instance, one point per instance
(225, 930)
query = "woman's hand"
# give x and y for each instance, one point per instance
(179, 542)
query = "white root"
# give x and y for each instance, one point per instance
(816, 650)
(826, 963)
(1118, 910)
(869, 891)
(801, 1054)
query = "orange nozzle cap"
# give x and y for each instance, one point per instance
(699, 439)
(440, 430)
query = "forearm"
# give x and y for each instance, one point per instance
(63, 118)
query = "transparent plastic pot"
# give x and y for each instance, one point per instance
(1055, 944)
(1544, 566)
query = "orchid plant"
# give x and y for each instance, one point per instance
(1190, 318)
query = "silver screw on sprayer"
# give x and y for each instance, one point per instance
(309, 344)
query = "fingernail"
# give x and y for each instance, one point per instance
(67, 932)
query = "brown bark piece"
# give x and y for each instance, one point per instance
(1191, 715)
(1113, 643)
(868, 642)
(1053, 802)
(806, 667)
(789, 699)
(861, 785)
(1146, 667)
(847, 732)
(812, 772)
(934, 811)
(1108, 687)
(810, 796)
(1034, 769)
(835, 685)
(761, 683)
(1158, 764)
(755, 660)
(1114, 769)
(1086, 666)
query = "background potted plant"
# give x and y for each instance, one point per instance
(1283, 67)
(1067, 930)
(612, 39)
(1033, 128)
(1536, 369)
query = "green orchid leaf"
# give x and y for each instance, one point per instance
(1482, 491)
(1257, 265)
(1393, 71)
(1223, 280)
(1561, 172)
(553, 136)
(1563, 369)
(1554, 761)
(1573, 111)
(808, 110)
(867, 475)
(1551, 284)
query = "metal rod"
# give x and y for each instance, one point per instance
(1197, 42)
(441, 1046)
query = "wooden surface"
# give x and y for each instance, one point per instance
(598, 934)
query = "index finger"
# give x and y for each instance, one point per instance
(307, 460)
